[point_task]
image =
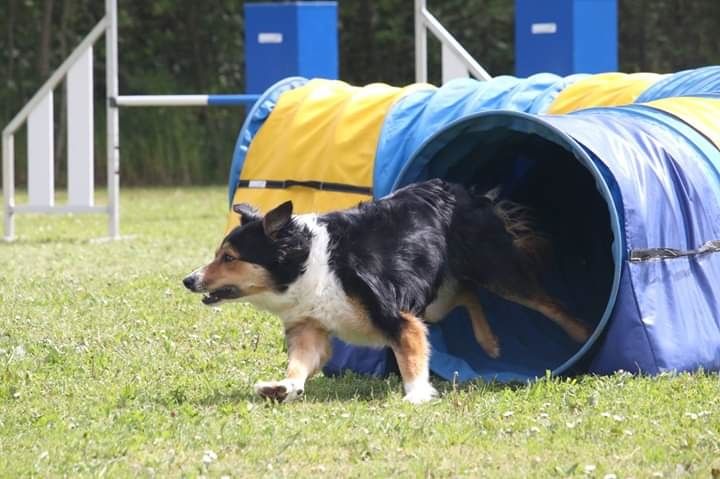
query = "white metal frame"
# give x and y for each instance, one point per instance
(456, 61)
(37, 113)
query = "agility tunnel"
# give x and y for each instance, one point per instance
(629, 194)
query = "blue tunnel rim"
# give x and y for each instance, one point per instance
(535, 124)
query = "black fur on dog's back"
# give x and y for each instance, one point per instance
(393, 254)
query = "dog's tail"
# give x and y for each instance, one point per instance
(520, 224)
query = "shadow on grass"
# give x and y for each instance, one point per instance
(320, 389)
(358, 388)
(351, 387)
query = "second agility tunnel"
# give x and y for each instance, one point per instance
(630, 196)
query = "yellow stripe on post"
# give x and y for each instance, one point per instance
(604, 89)
(323, 131)
(703, 114)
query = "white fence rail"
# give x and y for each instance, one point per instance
(456, 61)
(38, 114)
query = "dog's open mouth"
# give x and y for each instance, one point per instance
(226, 292)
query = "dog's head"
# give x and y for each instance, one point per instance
(263, 254)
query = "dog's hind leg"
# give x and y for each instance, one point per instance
(308, 350)
(483, 334)
(412, 352)
(551, 308)
(451, 295)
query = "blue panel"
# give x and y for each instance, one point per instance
(545, 50)
(565, 36)
(289, 39)
(697, 82)
(271, 44)
(595, 36)
(318, 37)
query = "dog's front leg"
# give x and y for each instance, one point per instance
(412, 352)
(308, 350)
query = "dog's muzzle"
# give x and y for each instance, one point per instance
(226, 292)
(194, 284)
(191, 282)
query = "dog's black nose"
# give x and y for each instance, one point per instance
(189, 282)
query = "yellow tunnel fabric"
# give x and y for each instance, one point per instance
(324, 131)
(604, 89)
(703, 114)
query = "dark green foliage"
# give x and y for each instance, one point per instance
(185, 46)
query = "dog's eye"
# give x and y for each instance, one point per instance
(227, 258)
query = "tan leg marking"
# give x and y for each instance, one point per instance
(412, 352)
(483, 333)
(308, 350)
(552, 309)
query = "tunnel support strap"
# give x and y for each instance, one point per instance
(657, 254)
(317, 185)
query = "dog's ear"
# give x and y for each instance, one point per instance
(247, 213)
(276, 218)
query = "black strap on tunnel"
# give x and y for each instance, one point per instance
(669, 253)
(317, 185)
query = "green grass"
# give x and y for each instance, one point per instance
(109, 368)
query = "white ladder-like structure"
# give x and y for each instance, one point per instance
(456, 61)
(77, 71)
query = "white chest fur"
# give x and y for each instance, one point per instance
(318, 294)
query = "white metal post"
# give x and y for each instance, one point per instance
(8, 159)
(420, 43)
(41, 152)
(113, 134)
(80, 131)
(452, 66)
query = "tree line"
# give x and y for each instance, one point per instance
(185, 46)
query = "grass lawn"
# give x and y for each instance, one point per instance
(109, 368)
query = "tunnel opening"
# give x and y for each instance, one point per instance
(539, 167)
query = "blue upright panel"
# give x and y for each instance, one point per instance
(289, 39)
(565, 36)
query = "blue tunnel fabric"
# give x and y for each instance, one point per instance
(661, 182)
(667, 311)
(696, 82)
(665, 317)
(255, 118)
(411, 119)
(530, 344)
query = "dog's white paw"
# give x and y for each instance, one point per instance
(420, 393)
(282, 391)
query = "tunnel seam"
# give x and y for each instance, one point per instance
(643, 325)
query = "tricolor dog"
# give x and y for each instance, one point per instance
(375, 274)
